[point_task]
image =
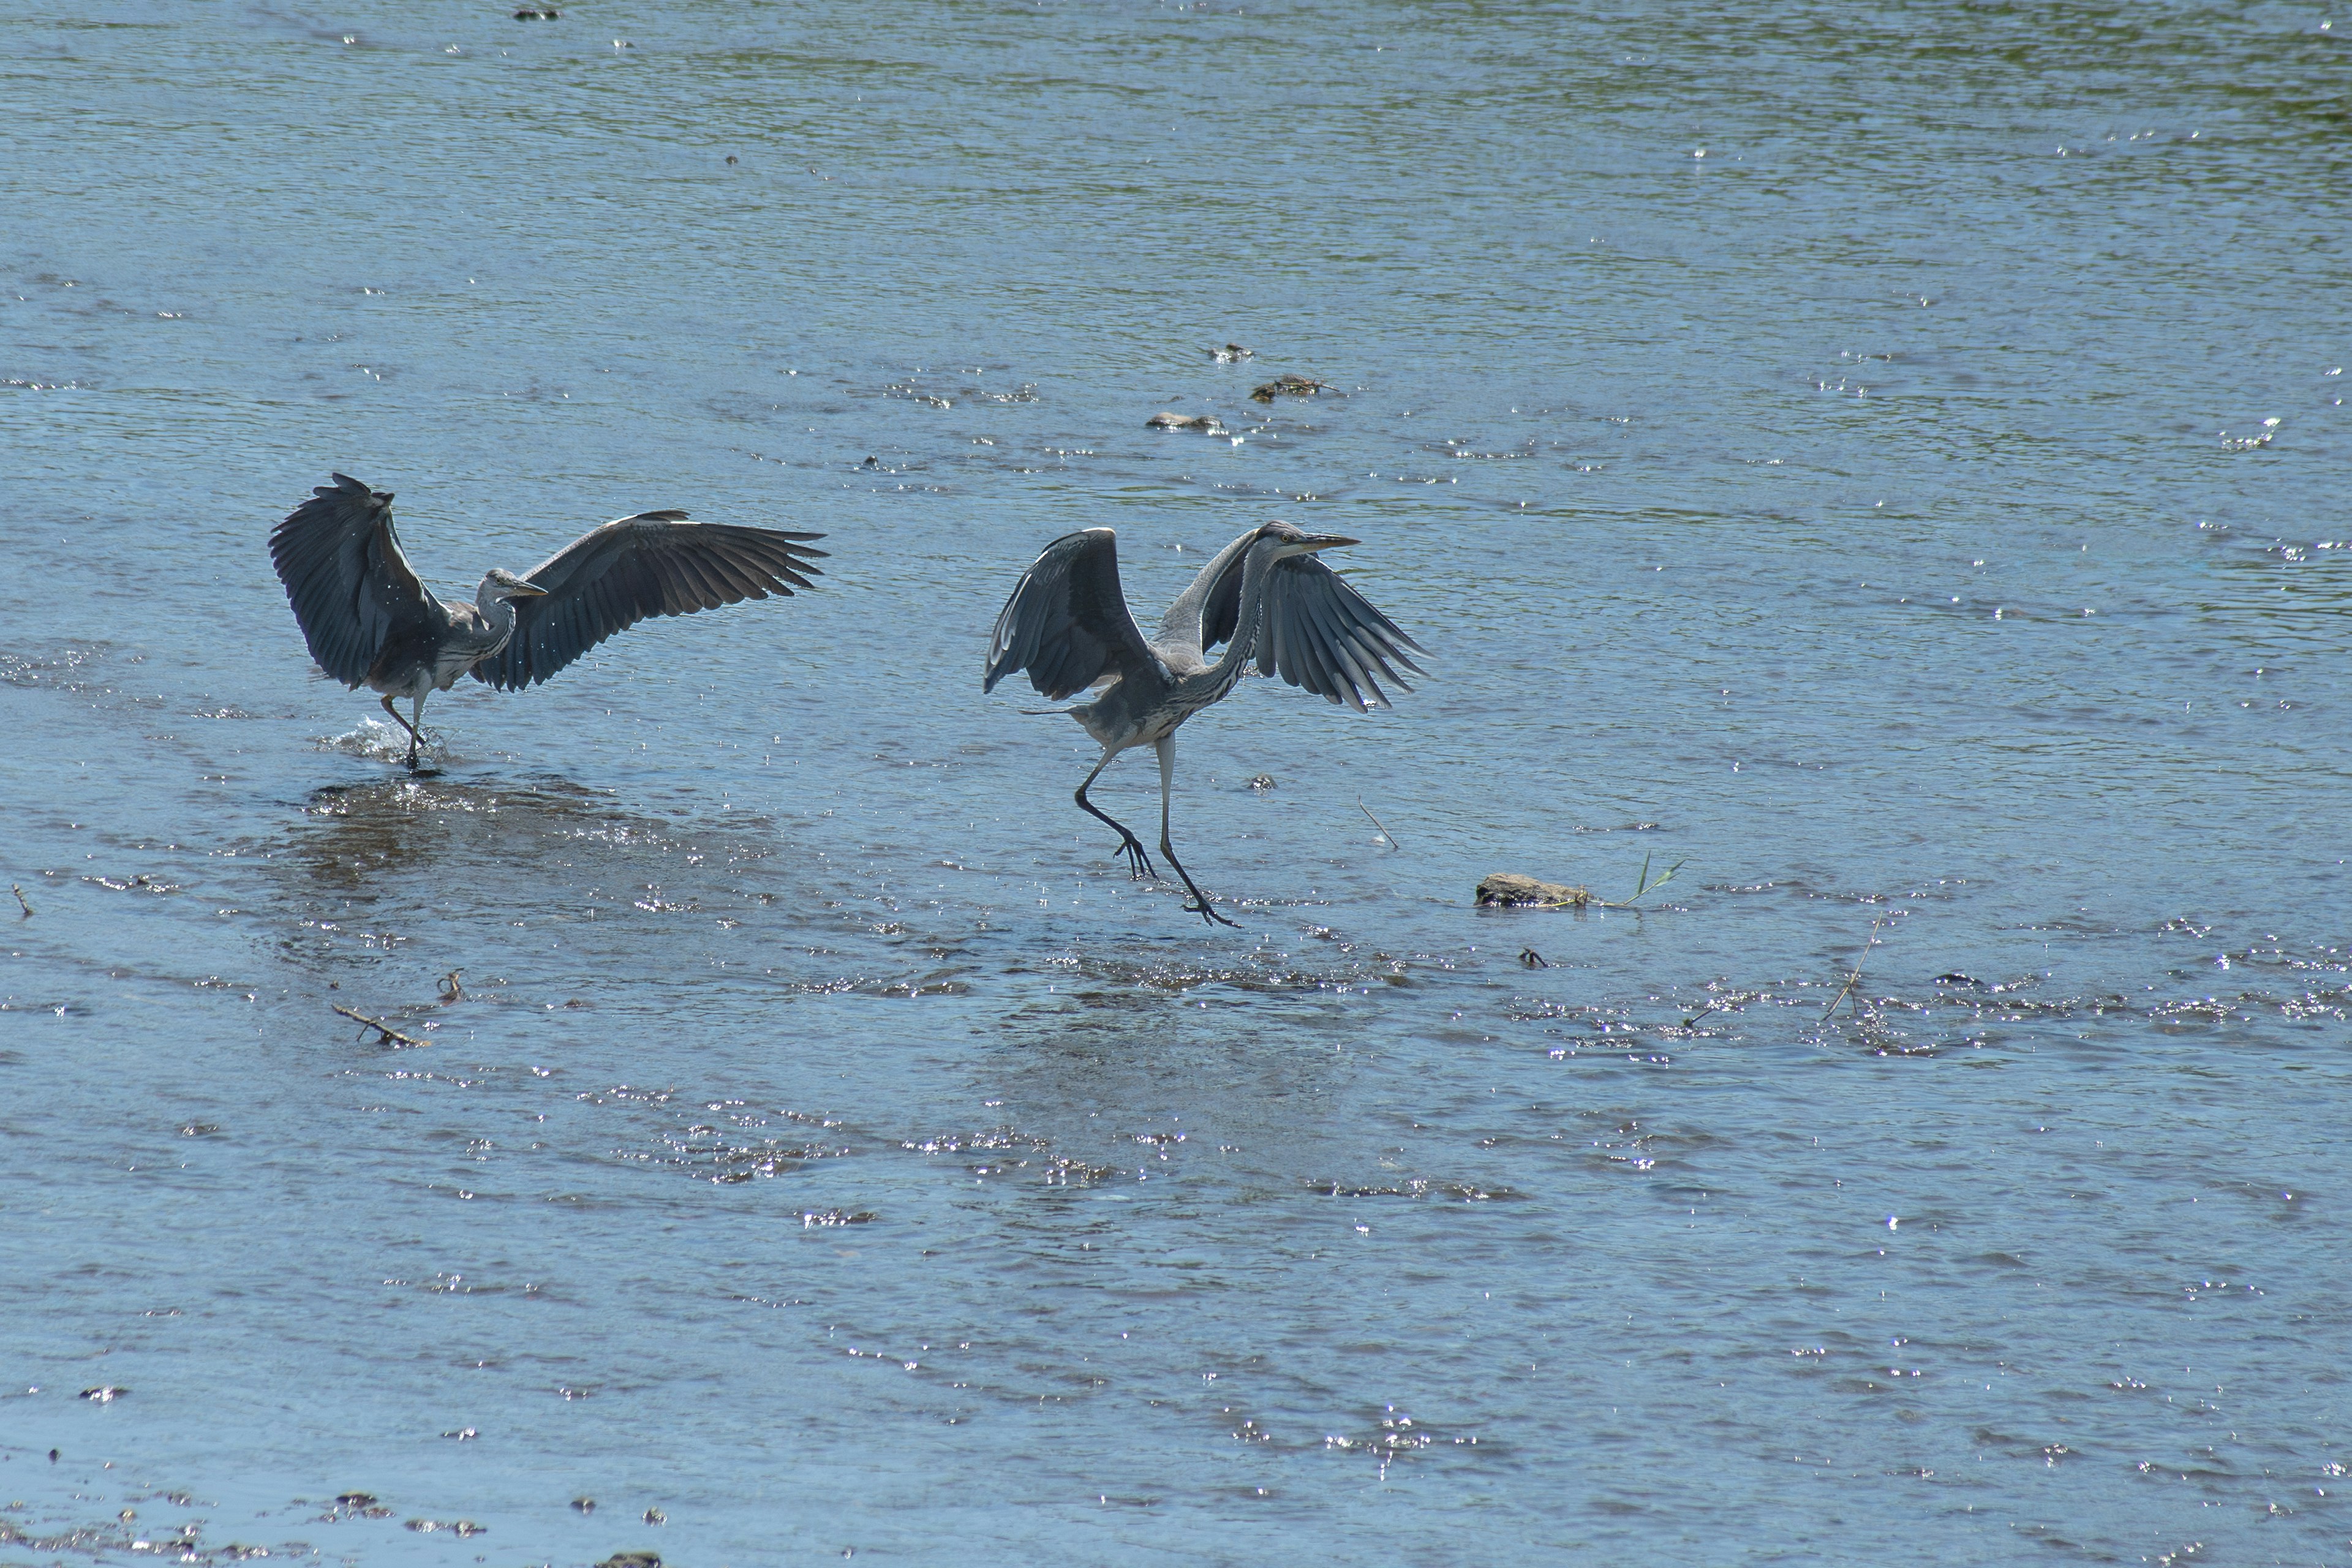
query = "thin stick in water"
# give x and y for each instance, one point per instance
(1378, 824)
(387, 1034)
(22, 899)
(1852, 979)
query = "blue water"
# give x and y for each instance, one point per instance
(1921, 520)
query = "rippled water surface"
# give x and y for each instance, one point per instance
(1889, 462)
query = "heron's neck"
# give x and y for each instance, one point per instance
(1213, 682)
(497, 610)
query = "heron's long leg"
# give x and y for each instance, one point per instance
(415, 729)
(1166, 747)
(1129, 846)
(404, 725)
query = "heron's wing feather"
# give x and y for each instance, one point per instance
(1067, 623)
(352, 588)
(1322, 635)
(655, 563)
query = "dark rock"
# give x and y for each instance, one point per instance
(1291, 387)
(1506, 889)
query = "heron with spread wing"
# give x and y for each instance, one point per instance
(1265, 596)
(370, 622)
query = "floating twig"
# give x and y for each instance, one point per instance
(1853, 979)
(387, 1034)
(1695, 1017)
(1644, 885)
(1378, 824)
(21, 899)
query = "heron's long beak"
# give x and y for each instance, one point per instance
(1327, 541)
(526, 591)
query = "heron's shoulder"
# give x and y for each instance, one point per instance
(1179, 658)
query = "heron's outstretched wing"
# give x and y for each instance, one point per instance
(351, 589)
(1318, 632)
(1067, 623)
(655, 563)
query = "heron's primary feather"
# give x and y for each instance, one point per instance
(1316, 631)
(1067, 623)
(655, 563)
(353, 589)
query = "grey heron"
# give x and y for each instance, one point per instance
(1266, 595)
(370, 622)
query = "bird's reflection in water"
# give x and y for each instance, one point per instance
(542, 849)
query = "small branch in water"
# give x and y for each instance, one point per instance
(1852, 980)
(1695, 1017)
(1644, 885)
(1378, 824)
(22, 899)
(387, 1034)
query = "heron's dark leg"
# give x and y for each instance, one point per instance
(1166, 748)
(404, 725)
(416, 733)
(1138, 862)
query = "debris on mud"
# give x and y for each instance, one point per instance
(1508, 890)
(1287, 385)
(1207, 424)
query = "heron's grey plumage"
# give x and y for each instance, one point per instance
(655, 563)
(368, 621)
(1316, 632)
(352, 586)
(1264, 597)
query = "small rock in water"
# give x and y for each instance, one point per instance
(1291, 387)
(632, 1560)
(655, 1516)
(1232, 354)
(1503, 888)
(1208, 424)
(355, 1499)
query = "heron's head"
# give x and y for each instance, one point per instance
(504, 584)
(1290, 541)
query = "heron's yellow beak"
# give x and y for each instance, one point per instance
(526, 591)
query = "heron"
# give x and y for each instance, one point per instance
(1267, 595)
(370, 622)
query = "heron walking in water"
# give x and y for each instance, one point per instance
(1266, 595)
(371, 623)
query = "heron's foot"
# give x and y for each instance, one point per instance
(1203, 910)
(1138, 864)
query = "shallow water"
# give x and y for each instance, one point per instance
(1921, 518)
